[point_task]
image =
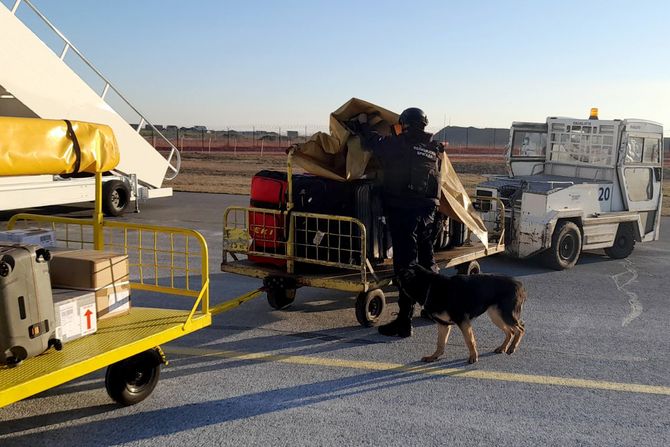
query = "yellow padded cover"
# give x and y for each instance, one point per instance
(32, 146)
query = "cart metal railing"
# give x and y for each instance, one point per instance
(173, 261)
(311, 238)
(287, 237)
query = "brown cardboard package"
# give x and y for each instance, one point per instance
(87, 269)
(113, 300)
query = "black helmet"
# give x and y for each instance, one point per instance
(413, 117)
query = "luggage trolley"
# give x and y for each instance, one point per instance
(163, 260)
(327, 251)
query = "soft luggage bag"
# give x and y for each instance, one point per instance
(27, 323)
(269, 189)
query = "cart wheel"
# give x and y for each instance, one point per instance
(115, 197)
(470, 268)
(132, 380)
(369, 307)
(279, 298)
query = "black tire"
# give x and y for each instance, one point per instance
(280, 298)
(624, 242)
(566, 246)
(132, 380)
(470, 268)
(369, 307)
(115, 197)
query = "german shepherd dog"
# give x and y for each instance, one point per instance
(460, 299)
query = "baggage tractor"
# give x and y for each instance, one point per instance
(269, 189)
(27, 323)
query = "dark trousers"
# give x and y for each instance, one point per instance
(413, 236)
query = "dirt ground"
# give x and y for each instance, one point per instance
(231, 173)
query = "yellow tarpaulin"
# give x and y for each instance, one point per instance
(339, 156)
(32, 146)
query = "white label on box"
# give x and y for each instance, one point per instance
(70, 326)
(119, 297)
(87, 319)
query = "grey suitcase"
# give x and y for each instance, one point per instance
(27, 324)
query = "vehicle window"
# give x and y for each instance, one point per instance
(651, 150)
(634, 150)
(529, 144)
(639, 183)
(583, 144)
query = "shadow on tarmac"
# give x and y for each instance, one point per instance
(161, 422)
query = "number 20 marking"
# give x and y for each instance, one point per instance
(603, 194)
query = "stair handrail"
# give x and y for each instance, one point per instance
(173, 165)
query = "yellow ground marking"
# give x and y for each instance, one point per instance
(427, 369)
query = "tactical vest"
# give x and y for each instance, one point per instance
(418, 173)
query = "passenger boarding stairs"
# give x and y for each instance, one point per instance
(35, 81)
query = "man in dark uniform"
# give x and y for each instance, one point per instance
(411, 190)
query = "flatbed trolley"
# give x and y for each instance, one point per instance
(328, 251)
(164, 260)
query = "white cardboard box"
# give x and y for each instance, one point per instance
(34, 236)
(75, 313)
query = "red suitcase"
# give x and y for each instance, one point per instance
(269, 189)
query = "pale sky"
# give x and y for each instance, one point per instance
(290, 63)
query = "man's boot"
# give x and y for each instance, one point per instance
(402, 325)
(389, 329)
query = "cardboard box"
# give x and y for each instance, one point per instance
(33, 236)
(87, 269)
(75, 312)
(113, 301)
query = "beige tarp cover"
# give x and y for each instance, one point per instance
(339, 156)
(31, 146)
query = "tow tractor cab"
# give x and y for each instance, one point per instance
(577, 185)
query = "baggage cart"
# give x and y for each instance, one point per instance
(163, 261)
(172, 262)
(329, 251)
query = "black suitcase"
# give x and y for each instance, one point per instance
(442, 236)
(27, 323)
(316, 238)
(458, 233)
(313, 194)
(339, 241)
(367, 207)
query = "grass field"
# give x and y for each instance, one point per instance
(231, 173)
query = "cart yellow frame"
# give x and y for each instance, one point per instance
(166, 260)
(349, 273)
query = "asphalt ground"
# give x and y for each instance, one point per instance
(591, 370)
